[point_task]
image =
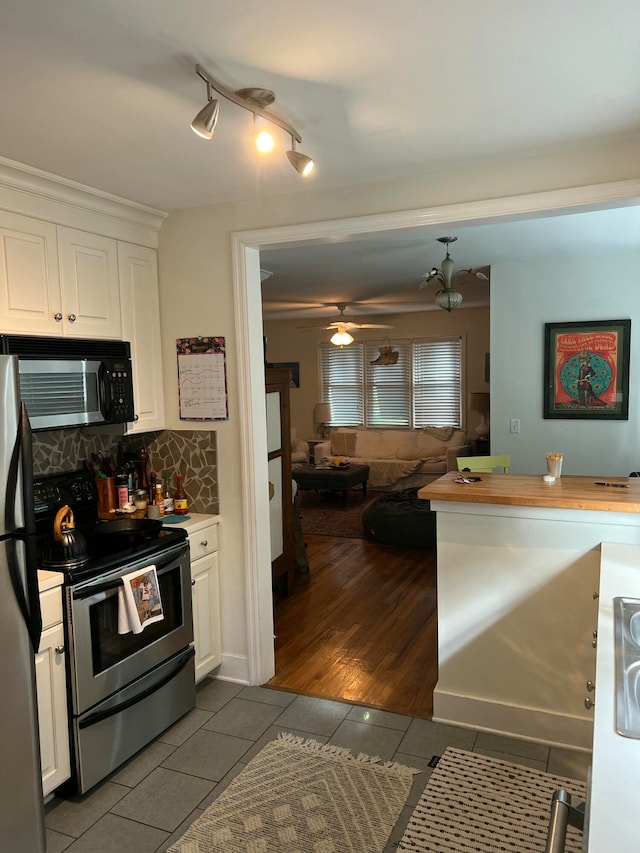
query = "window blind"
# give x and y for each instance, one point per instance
(341, 383)
(388, 388)
(423, 388)
(437, 383)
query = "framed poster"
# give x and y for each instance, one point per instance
(586, 369)
(202, 379)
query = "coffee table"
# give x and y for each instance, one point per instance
(331, 479)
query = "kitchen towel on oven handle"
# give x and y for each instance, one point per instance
(139, 602)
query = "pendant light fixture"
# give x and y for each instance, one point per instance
(255, 100)
(447, 298)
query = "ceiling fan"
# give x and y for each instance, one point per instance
(342, 322)
(341, 336)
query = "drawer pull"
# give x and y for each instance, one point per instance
(204, 543)
(590, 686)
(59, 650)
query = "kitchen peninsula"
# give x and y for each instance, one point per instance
(518, 575)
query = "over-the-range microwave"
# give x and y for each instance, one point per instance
(67, 382)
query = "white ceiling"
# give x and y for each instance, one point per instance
(103, 93)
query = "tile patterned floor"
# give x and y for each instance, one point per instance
(147, 804)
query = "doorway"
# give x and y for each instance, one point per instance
(246, 246)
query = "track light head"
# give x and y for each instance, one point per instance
(205, 122)
(301, 163)
(264, 141)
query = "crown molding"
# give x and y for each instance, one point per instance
(32, 192)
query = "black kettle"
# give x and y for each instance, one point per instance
(67, 547)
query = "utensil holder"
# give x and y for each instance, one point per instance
(107, 500)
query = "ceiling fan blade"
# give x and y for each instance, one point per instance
(372, 326)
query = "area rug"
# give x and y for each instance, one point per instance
(322, 513)
(480, 804)
(300, 796)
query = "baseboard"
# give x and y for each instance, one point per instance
(234, 668)
(559, 730)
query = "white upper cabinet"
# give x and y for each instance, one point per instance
(141, 327)
(89, 284)
(30, 300)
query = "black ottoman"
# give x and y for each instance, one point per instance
(401, 519)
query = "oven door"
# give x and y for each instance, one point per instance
(102, 661)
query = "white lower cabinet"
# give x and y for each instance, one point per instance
(203, 542)
(52, 694)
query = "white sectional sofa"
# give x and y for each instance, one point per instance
(397, 459)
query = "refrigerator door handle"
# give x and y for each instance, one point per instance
(21, 465)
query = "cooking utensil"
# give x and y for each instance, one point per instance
(67, 547)
(132, 530)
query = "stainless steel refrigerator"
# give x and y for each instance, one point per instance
(21, 803)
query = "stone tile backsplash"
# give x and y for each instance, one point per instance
(192, 453)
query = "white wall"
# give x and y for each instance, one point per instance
(196, 293)
(569, 289)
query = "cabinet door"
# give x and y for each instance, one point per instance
(206, 614)
(52, 710)
(138, 271)
(89, 282)
(29, 280)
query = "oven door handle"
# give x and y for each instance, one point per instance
(108, 586)
(98, 716)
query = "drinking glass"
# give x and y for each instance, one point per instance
(554, 464)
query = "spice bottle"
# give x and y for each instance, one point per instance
(168, 497)
(159, 499)
(122, 489)
(180, 504)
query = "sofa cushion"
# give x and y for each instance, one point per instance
(343, 442)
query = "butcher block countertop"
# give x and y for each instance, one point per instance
(531, 490)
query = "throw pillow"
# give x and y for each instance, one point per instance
(343, 443)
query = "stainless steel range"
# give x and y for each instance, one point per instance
(124, 689)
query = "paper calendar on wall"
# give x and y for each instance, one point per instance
(202, 379)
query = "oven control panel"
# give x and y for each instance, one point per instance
(73, 488)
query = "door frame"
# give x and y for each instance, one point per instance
(246, 247)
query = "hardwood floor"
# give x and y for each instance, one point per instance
(364, 629)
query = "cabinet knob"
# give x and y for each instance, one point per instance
(589, 703)
(72, 318)
(590, 686)
(193, 583)
(595, 635)
(59, 650)
(136, 418)
(596, 595)
(58, 317)
(594, 644)
(204, 543)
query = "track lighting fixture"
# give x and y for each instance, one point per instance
(255, 101)
(448, 298)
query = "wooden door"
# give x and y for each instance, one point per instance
(281, 492)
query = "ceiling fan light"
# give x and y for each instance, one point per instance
(448, 299)
(342, 338)
(301, 163)
(205, 122)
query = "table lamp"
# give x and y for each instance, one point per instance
(322, 419)
(479, 402)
